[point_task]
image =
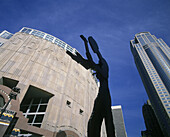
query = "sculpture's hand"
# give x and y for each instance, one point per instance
(83, 38)
(93, 44)
(85, 43)
(89, 57)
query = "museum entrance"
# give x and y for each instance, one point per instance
(66, 133)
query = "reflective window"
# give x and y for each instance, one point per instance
(150, 39)
(144, 37)
(34, 110)
(6, 35)
(25, 30)
(38, 33)
(69, 48)
(141, 41)
(50, 38)
(60, 43)
(147, 34)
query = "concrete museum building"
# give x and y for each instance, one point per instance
(56, 93)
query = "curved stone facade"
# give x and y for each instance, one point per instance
(42, 68)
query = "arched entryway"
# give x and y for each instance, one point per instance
(66, 133)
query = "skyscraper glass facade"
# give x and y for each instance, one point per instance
(151, 56)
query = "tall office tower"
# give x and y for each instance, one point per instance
(118, 121)
(57, 93)
(151, 57)
(151, 122)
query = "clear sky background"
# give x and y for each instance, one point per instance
(113, 23)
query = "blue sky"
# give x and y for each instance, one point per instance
(113, 23)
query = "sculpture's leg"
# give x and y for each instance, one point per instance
(110, 130)
(95, 121)
(94, 127)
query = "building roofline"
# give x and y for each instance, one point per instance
(60, 43)
(116, 107)
(5, 31)
(143, 32)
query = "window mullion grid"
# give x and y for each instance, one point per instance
(33, 121)
(39, 105)
(27, 112)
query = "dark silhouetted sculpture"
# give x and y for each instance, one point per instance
(102, 103)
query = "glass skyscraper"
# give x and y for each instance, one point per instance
(151, 57)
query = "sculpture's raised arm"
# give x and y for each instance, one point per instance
(95, 47)
(102, 67)
(89, 57)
